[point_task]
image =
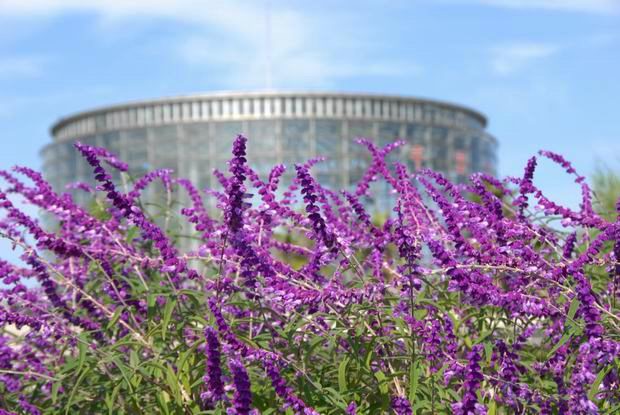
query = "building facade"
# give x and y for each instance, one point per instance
(193, 135)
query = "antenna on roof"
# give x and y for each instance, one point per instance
(268, 63)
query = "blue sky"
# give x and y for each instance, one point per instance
(544, 71)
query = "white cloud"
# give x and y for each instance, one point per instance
(287, 64)
(509, 59)
(20, 66)
(230, 40)
(590, 6)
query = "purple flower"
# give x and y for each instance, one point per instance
(171, 262)
(525, 185)
(28, 407)
(242, 399)
(473, 378)
(283, 391)
(401, 405)
(310, 194)
(215, 387)
(19, 320)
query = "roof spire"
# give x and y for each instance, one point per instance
(268, 63)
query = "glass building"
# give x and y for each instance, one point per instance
(193, 135)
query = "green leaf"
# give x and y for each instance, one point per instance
(134, 360)
(342, 375)
(115, 317)
(316, 342)
(597, 382)
(184, 356)
(55, 388)
(82, 349)
(173, 384)
(369, 355)
(69, 366)
(488, 350)
(108, 403)
(334, 398)
(572, 310)
(565, 338)
(124, 372)
(131, 234)
(468, 342)
(420, 314)
(169, 308)
(413, 381)
(74, 390)
(162, 400)
(383, 384)
(483, 336)
(115, 391)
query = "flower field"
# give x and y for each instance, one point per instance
(476, 298)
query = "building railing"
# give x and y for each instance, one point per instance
(222, 108)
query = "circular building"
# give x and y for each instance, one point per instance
(193, 135)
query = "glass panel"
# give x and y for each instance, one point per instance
(474, 154)
(165, 147)
(360, 129)
(262, 136)
(417, 150)
(328, 138)
(461, 161)
(416, 134)
(262, 165)
(136, 151)
(439, 148)
(488, 155)
(111, 141)
(262, 145)
(388, 132)
(225, 134)
(296, 140)
(428, 114)
(359, 156)
(197, 140)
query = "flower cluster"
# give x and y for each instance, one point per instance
(468, 298)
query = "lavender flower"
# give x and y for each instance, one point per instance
(242, 400)
(473, 378)
(401, 405)
(525, 185)
(309, 190)
(213, 377)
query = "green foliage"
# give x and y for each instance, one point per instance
(606, 186)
